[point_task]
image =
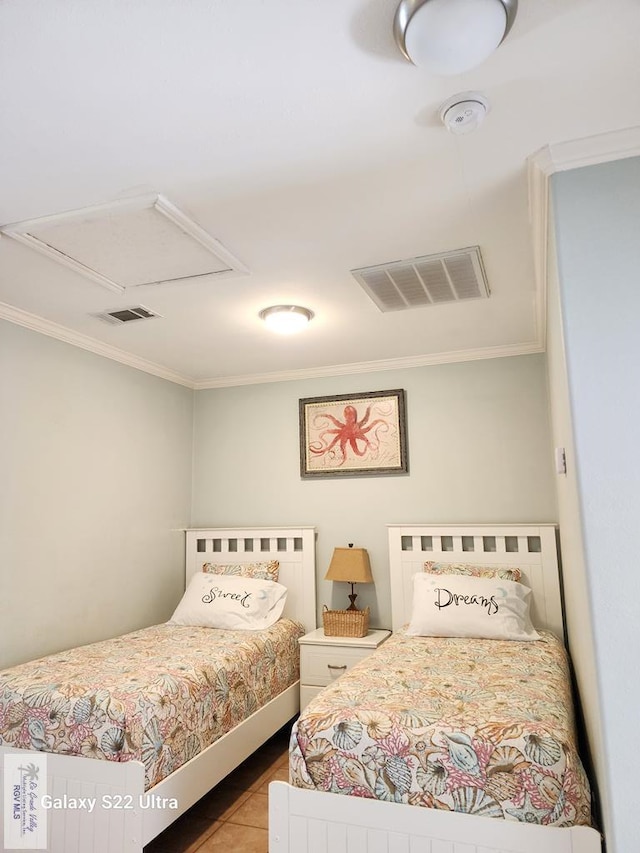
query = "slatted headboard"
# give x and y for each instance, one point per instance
(530, 547)
(293, 547)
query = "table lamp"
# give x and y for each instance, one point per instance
(350, 565)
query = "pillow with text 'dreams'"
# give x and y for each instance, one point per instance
(267, 571)
(510, 573)
(227, 601)
(464, 606)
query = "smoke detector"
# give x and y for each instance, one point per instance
(464, 112)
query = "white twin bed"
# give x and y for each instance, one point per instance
(136, 813)
(347, 750)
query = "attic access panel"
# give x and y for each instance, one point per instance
(141, 241)
(428, 280)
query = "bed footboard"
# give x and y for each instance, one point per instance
(107, 805)
(104, 806)
(302, 821)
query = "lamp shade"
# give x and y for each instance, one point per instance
(350, 565)
(452, 36)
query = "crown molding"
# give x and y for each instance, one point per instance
(560, 157)
(588, 151)
(404, 363)
(62, 333)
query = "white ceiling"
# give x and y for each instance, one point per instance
(293, 132)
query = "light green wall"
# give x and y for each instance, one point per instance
(479, 450)
(95, 473)
(597, 215)
(99, 474)
(577, 597)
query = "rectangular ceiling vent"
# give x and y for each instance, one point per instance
(140, 241)
(429, 280)
(126, 315)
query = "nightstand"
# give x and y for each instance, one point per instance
(323, 659)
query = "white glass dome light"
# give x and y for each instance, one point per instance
(286, 319)
(452, 36)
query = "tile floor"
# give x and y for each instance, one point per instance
(233, 817)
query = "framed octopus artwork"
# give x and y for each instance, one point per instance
(353, 434)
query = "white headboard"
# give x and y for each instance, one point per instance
(530, 547)
(293, 547)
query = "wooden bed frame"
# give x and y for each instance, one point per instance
(128, 830)
(303, 821)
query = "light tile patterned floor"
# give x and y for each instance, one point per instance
(233, 817)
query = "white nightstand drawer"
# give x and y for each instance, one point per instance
(320, 665)
(323, 659)
(307, 694)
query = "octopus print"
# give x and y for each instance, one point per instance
(353, 433)
(356, 434)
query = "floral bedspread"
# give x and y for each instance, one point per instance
(159, 695)
(478, 726)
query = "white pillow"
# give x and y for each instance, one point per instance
(464, 606)
(229, 601)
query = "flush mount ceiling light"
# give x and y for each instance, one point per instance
(286, 319)
(451, 36)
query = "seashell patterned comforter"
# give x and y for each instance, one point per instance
(478, 726)
(159, 695)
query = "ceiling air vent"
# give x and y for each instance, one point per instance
(126, 315)
(429, 280)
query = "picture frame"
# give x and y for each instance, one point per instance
(362, 434)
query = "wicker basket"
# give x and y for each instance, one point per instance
(345, 623)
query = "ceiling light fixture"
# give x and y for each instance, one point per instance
(452, 36)
(286, 319)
